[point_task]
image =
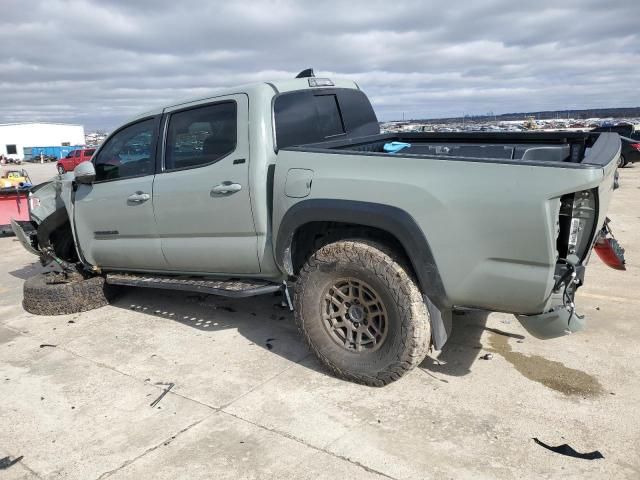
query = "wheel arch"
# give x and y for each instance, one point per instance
(397, 224)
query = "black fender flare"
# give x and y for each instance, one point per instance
(395, 221)
(392, 220)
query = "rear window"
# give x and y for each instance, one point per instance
(311, 116)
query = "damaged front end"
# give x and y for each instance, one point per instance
(47, 233)
(577, 237)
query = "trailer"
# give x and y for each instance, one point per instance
(14, 198)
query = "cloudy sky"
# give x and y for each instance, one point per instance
(97, 62)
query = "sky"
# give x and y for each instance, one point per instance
(100, 62)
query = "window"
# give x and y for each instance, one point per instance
(128, 153)
(78, 153)
(12, 150)
(66, 144)
(329, 119)
(201, 136)
(70, 154)
(311, 116)
(88, 153)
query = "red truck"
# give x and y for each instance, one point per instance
(73, 158)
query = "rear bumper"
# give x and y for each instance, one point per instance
(557, 322)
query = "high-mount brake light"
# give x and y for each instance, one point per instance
(320, 82)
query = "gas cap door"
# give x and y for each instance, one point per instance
(298, 182)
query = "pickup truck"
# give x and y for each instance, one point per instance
(288, 183)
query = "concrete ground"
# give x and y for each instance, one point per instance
(250, 401)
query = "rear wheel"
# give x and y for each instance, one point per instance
(361, 312)
(622, 162)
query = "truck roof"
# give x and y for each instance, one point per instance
(278, 86)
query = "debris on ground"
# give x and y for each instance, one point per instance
(487, 356)
(164, 392)
(6, 462)
(43, 345)
(566, 450)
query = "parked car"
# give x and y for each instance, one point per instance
(630, 151)
(291, 183)
(623, 129)
(73, 159)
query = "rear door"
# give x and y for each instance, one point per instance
(201, 197)
(113, 216)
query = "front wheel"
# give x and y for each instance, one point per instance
(61, 170)
(361, 312)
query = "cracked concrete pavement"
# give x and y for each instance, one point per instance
(81, 409)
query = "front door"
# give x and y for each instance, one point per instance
(201, 198)
(114, 217)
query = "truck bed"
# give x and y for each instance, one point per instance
(488, 203)
(564, 149)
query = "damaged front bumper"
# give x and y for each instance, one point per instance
(25, 232)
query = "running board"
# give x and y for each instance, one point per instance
(236, 288)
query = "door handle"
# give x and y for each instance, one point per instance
(226, 187)
(138, 197)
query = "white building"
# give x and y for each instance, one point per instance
(14, 137)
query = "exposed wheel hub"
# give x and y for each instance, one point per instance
(356, 313)
(354, 316)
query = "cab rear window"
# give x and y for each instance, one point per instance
(311, 116)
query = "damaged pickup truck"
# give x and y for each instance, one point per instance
(291, 184)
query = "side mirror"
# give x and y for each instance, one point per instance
(85, 173)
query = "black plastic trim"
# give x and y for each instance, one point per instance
(604, 147)
(392, 220)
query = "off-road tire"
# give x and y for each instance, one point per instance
(51, 294)
(409, 329)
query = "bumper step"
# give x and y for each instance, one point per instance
(236, 288)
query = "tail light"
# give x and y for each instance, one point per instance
(578, 212)
(608, 249)
(635, 146)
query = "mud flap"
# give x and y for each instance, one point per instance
(441, 324)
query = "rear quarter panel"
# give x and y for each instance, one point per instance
(492, 227)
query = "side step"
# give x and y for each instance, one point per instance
(236, 288)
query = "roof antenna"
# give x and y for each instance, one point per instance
(306, 73)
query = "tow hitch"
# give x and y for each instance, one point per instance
(608, 248)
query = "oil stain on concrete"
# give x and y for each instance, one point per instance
(551, 374)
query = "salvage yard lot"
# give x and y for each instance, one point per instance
(250, 401)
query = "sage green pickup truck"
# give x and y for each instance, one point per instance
(291, 184)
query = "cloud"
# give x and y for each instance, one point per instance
(99, 62)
